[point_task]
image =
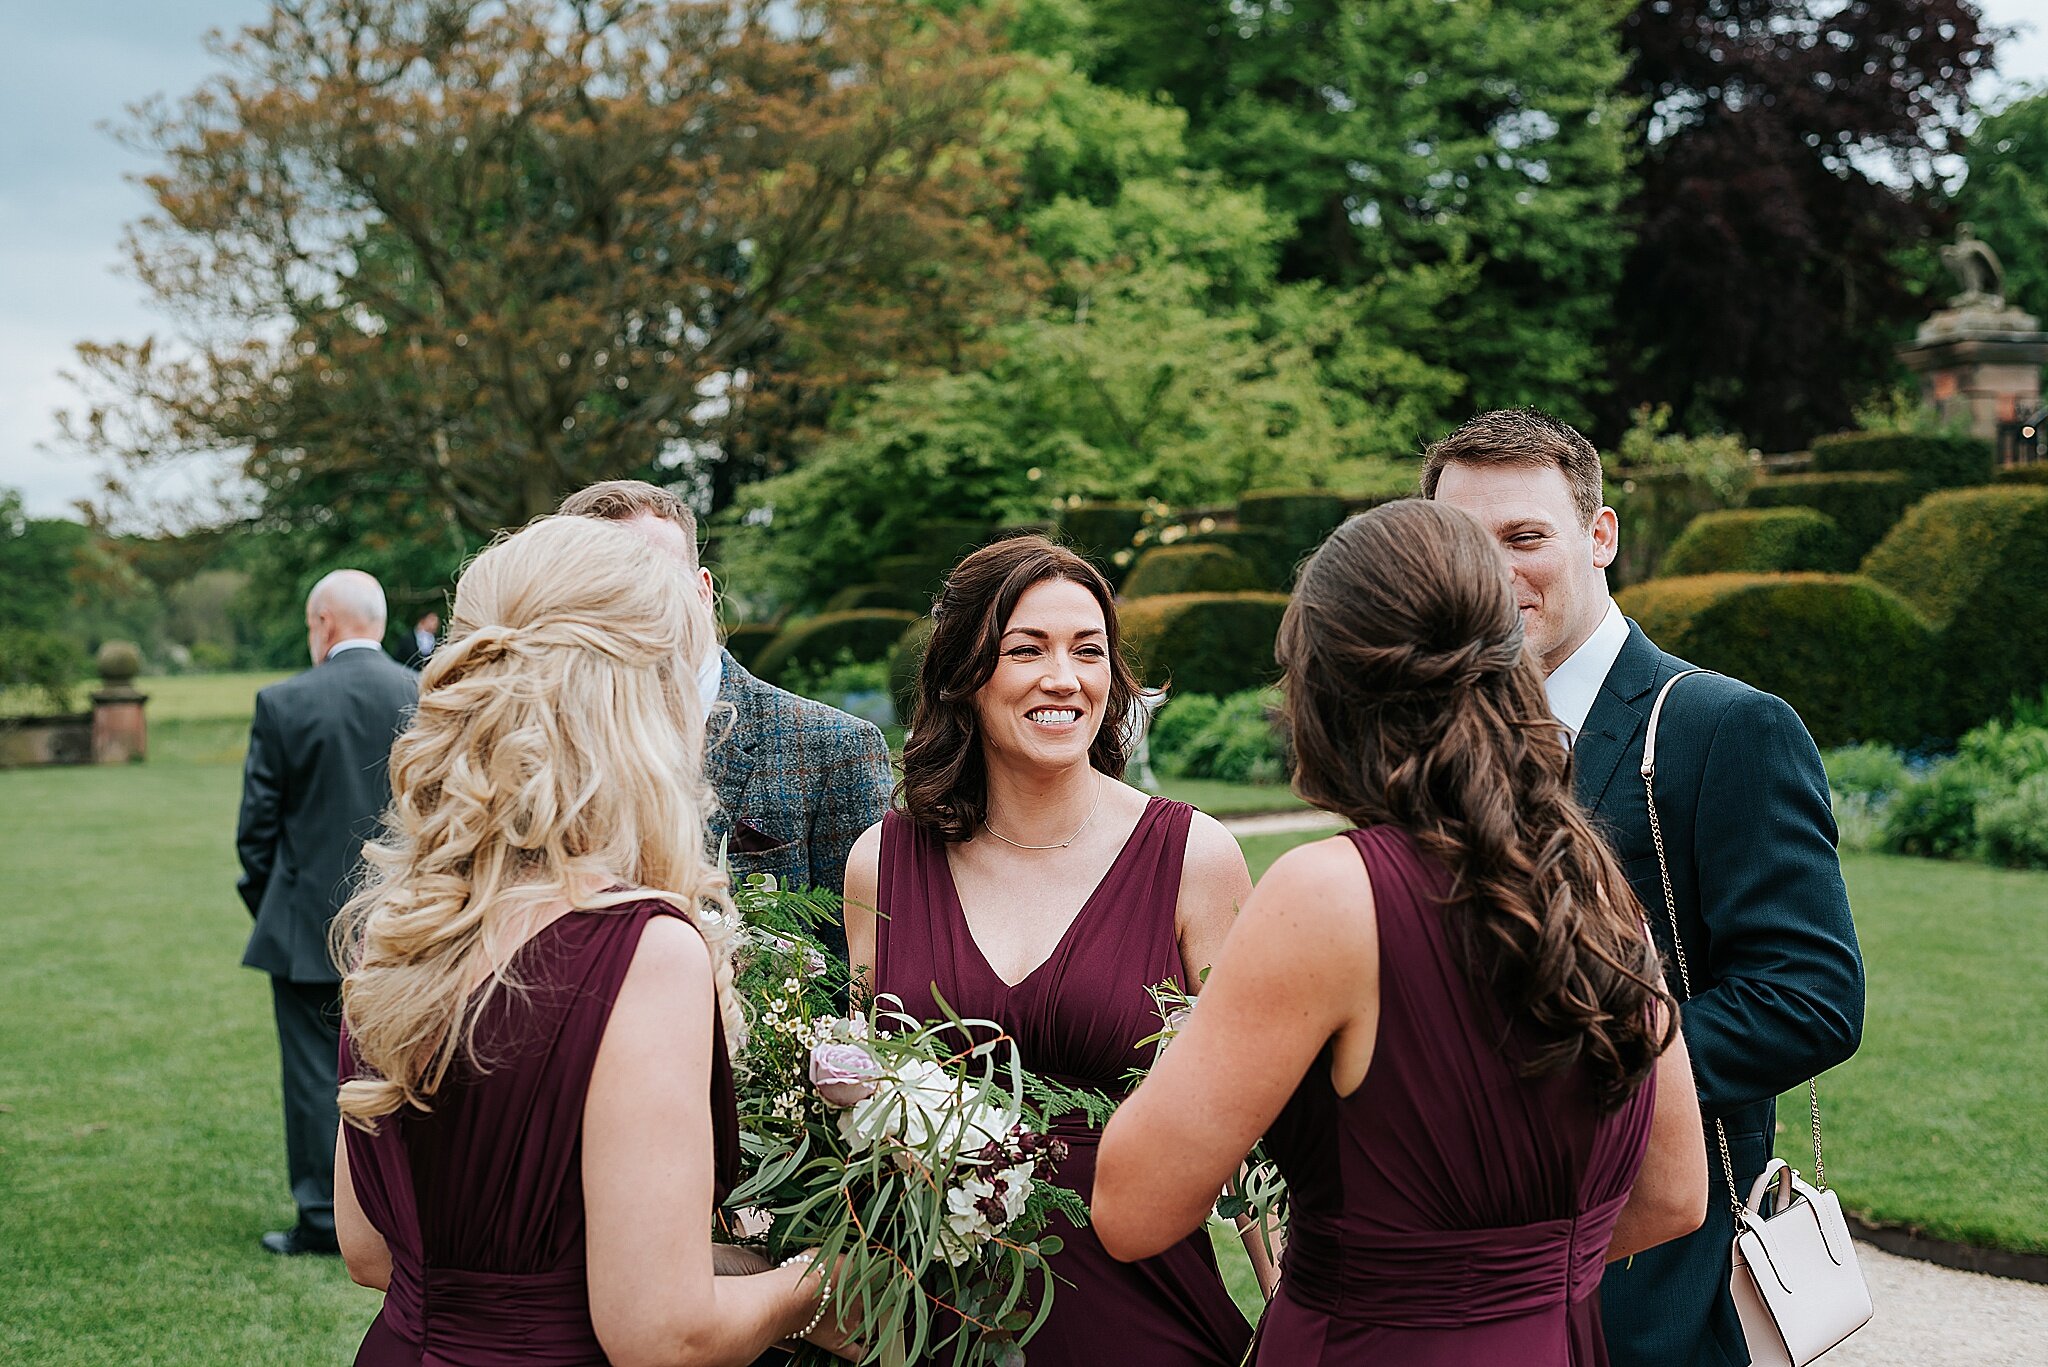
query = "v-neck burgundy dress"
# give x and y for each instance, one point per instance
(481, 1199)
(1077, 1018)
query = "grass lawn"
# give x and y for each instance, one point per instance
(1231, 799)
(140, 1131)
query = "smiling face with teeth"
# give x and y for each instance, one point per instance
(1044, 703)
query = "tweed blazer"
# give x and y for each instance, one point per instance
(797, 782)
(1777, 978)
(314, 787)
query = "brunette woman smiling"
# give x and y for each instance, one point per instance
(1026, 884)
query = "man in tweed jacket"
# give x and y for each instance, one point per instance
(797, 781)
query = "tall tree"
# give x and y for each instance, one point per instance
(2005, 195)
(1789, 154)
(445, 259)
(1393, 135)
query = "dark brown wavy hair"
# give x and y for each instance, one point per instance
(1412, 703)
(945, 777)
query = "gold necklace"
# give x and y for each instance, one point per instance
(986, 825)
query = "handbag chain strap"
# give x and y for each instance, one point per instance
(1649, 772)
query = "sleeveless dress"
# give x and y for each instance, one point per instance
(481, 1199)
(1077, 1018)
(1447, 1213)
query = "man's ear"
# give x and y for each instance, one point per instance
(1606, 538)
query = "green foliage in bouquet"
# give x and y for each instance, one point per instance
(915, 1158)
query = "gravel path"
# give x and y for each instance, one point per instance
(1277, 823)
(1929, 1315)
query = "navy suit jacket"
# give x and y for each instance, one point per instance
(797, 783)
(1776, 975)
(314, 788)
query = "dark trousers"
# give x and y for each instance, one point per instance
(309, 1040)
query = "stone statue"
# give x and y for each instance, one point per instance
(1976, 268)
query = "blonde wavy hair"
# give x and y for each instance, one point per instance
(556, 757)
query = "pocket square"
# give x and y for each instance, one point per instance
(748, 838)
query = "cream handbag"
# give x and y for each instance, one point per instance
(1796, 1283)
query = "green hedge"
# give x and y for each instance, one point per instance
(817, 641)
(1759, 541)
(952, 539)
(1864, 505)
(1190, 569)
(1852, 658)
(906, 657)
(1100, 530)
(918, 574)
(855, 597)
(1216, 643)
(747, 641)
(1974, 562)
(2036, 473)
(1267, 551)
(1301, 517)
(1930, 461)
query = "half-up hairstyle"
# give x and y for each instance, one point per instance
(1412, 703)
(556, 757)
(945, 778)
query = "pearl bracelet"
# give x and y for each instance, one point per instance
(824, 1299)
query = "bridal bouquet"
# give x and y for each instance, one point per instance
(914, 1158)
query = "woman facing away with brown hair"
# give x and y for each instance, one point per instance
(1448, 1023)
(1023, 882)
(538, 1010)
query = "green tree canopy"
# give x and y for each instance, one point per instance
(2005, 195)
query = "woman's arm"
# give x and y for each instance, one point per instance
(1214, 883)
(857, 906)
(647, 1178)
(1669, 1199)
(1299, 966)
(362, 1247)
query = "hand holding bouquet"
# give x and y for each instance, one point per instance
(911, 1157)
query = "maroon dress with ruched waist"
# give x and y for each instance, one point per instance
(481, 1199)
(1077, 1018)
(1448, 1213)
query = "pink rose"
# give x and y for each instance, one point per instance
(842, 1073)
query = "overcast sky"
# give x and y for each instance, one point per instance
(74, 66)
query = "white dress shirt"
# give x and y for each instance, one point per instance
(1574, 685)
(710, 674)
(353, 643)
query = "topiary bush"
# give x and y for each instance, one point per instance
(906, 657)
(2036, 473)
(817, 642)
(1850, 657)
(1266, 550)
(1974, 563)
(1931, 460)
(1183, 568)
(854, 597)
(923, 575)
(1232, 740)
(1758, 541)
(1864, 505)
(1100, 530)
(748, 640)
(1217, 643)
(1300, 517)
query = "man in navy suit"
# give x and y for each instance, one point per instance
(1743, 802)
(313, 790)
(797, 781)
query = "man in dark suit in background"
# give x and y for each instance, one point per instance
(313, 788)
(1763, 914)
(797, 781)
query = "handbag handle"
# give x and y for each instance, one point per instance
(1649, 772)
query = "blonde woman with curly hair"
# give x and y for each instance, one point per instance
(538, 1016)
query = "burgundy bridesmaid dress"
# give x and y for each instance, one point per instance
(1077, 1018)
(1448, 1213)
(481, 1199)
